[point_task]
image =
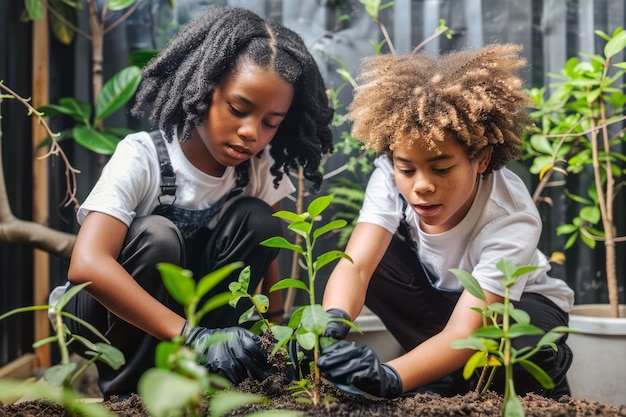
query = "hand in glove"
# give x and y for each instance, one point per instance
(334, 329)
(237, 358)
(338, 330)
(357, 370)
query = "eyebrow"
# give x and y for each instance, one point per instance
(251, 104)
(441, 157)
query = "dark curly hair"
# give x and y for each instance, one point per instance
(477, 96)
(178, 84)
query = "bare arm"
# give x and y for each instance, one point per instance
(94, 259)
(347, 285)
(435, 358)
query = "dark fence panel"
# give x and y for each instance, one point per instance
(550, 30)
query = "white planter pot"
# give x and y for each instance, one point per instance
(375, 335)
(598, 371)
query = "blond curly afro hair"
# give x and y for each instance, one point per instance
(416, 99)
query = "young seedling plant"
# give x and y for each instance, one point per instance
(307, 323)
(502, 323)
(178, 383)
(260, 302)
(57, 383)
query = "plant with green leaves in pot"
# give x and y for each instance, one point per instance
(580, 135)
(57, 383)
(502, 323)
(307, 324)
(178, 384)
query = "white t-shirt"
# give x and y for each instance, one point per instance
(130, 182)
(502, 222)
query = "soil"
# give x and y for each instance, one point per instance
(273, 388)
(337, 403)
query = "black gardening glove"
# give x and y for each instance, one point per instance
(239, 357)
(338, 330)
(300, 364)
(357, 370)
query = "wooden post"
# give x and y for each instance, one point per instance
(41, 268)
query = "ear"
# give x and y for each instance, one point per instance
(484, 159)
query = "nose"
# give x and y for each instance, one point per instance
(249, 129)
(422, 183)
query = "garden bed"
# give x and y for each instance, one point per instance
(424, 405)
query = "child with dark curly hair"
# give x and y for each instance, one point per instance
(239, 102)
(440, 198)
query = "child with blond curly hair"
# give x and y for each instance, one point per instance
(440, 197)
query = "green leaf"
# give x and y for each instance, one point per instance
(317, 206)
(477, 360)
(553, 335)
(94, 140)
(329, 257)
(226, 401)
(164, 353)
(210, 280)
(244, 279)
(34, 8)
(110, 355)
(246, 315)
(261, 302)
(140, 58)
(69, 294)
(289, 283)
(471, 342)
(513, 406)
(523, 270)
(590, 214)
(470, 283)
(506, 266)
(76, 109)
(282, 243)
(213, 303)
(333, 225)
(306, 340)
(85, 324)
(615, 45)
(116, 5)
(281, 332)
(301, 228)
(164, 392)
(488, 332)
(289, 216)
(541, 144)
(314, 319)
(63, 28)
(539, 374)
(520, 316)
(58, 374)
(117, 91)
(178, 281)
(518, 330)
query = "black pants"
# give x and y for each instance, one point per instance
(413, 311)
(154, 239)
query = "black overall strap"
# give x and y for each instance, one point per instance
(404, 229)
(168, 177)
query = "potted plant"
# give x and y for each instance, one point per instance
(580, 135)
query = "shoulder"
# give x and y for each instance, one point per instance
(508, 193)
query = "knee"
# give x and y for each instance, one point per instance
(257, 216)
(154, 237)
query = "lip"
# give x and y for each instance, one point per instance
(238, 152)
(426, 210)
